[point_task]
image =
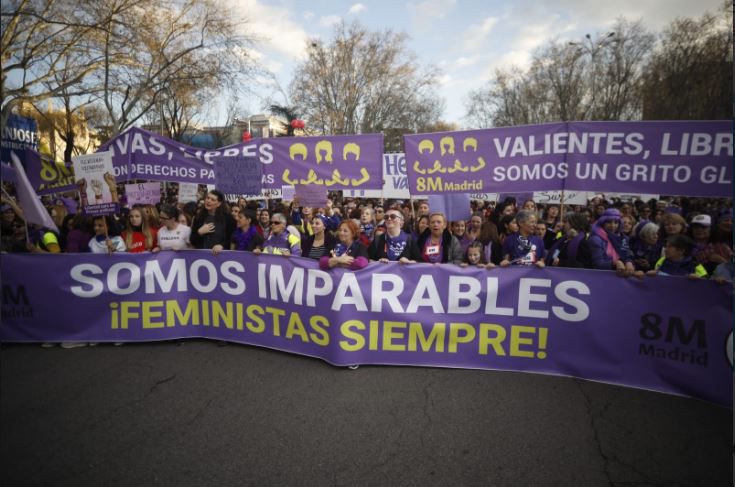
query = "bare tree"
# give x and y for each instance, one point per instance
(157, 46)
(690, 74)
(598, 78)
(43, 51)
(362, 82)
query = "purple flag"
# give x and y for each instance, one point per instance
(33, 210)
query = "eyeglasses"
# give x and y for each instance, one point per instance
(273, 222)
(161, 217)
(392, 216)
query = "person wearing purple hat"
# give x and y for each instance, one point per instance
(610, 249)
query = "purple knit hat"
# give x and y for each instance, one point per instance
(611, 214)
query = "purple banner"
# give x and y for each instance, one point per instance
(692, 158)
(335, 162)
(664, 334)
(47, 177)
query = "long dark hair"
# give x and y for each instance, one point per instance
(222, 212)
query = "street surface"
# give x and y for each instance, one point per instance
(201, 415)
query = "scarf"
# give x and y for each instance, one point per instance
(611, 241)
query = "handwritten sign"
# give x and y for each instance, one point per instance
(554, 197)
(314, 196)
(143, 193)
(96, 181)
(188, 192)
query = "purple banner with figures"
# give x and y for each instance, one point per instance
(46, 176)
(335, 162)
(664, 334)
(692, 158)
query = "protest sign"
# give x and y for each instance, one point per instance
(188, 192)
(143, 193)
(491, 197)
(96, 183)
(580, 323)
(19, 133)
(691, 158)
(554, 197)
(395, 182)
(313, 196)
(238, 174)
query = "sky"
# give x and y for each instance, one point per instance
(467, 40)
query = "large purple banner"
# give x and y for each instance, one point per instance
(664, 334)
(335, 162)
(690, 158)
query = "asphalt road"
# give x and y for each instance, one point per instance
(202, 415)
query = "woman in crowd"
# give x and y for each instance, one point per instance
(234, 211)
(523, 247)
(551, 217)
(246, 236)
(507, 225)
(280, 241)
(627, 224)
(320, 242)
(491, 240)
(349, 252)
(79, 232)
(438, 246)
(139, 236)
(671, 224)
(172, 235)
(645, 246)
(459, 228)
(367, 226)
(213, 226)
(185, 218)
(706, 252)
(394, 245)
(151, 214)
(610, 249)
(422, 223)
(105, 240)
(530, 205)
(472, 232)
(723, 231)
(571, 250)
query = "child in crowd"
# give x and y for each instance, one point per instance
(475, 256)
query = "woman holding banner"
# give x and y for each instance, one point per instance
(349, 252)
(172, 235)
(213, 225)
(394, 245)
(437, 245)
(139, 236)
(610, 249)
(523, 247)
(319, 243)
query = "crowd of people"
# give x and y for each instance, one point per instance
(671, 236)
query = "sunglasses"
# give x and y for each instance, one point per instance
(392, 216)
(273, 222)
